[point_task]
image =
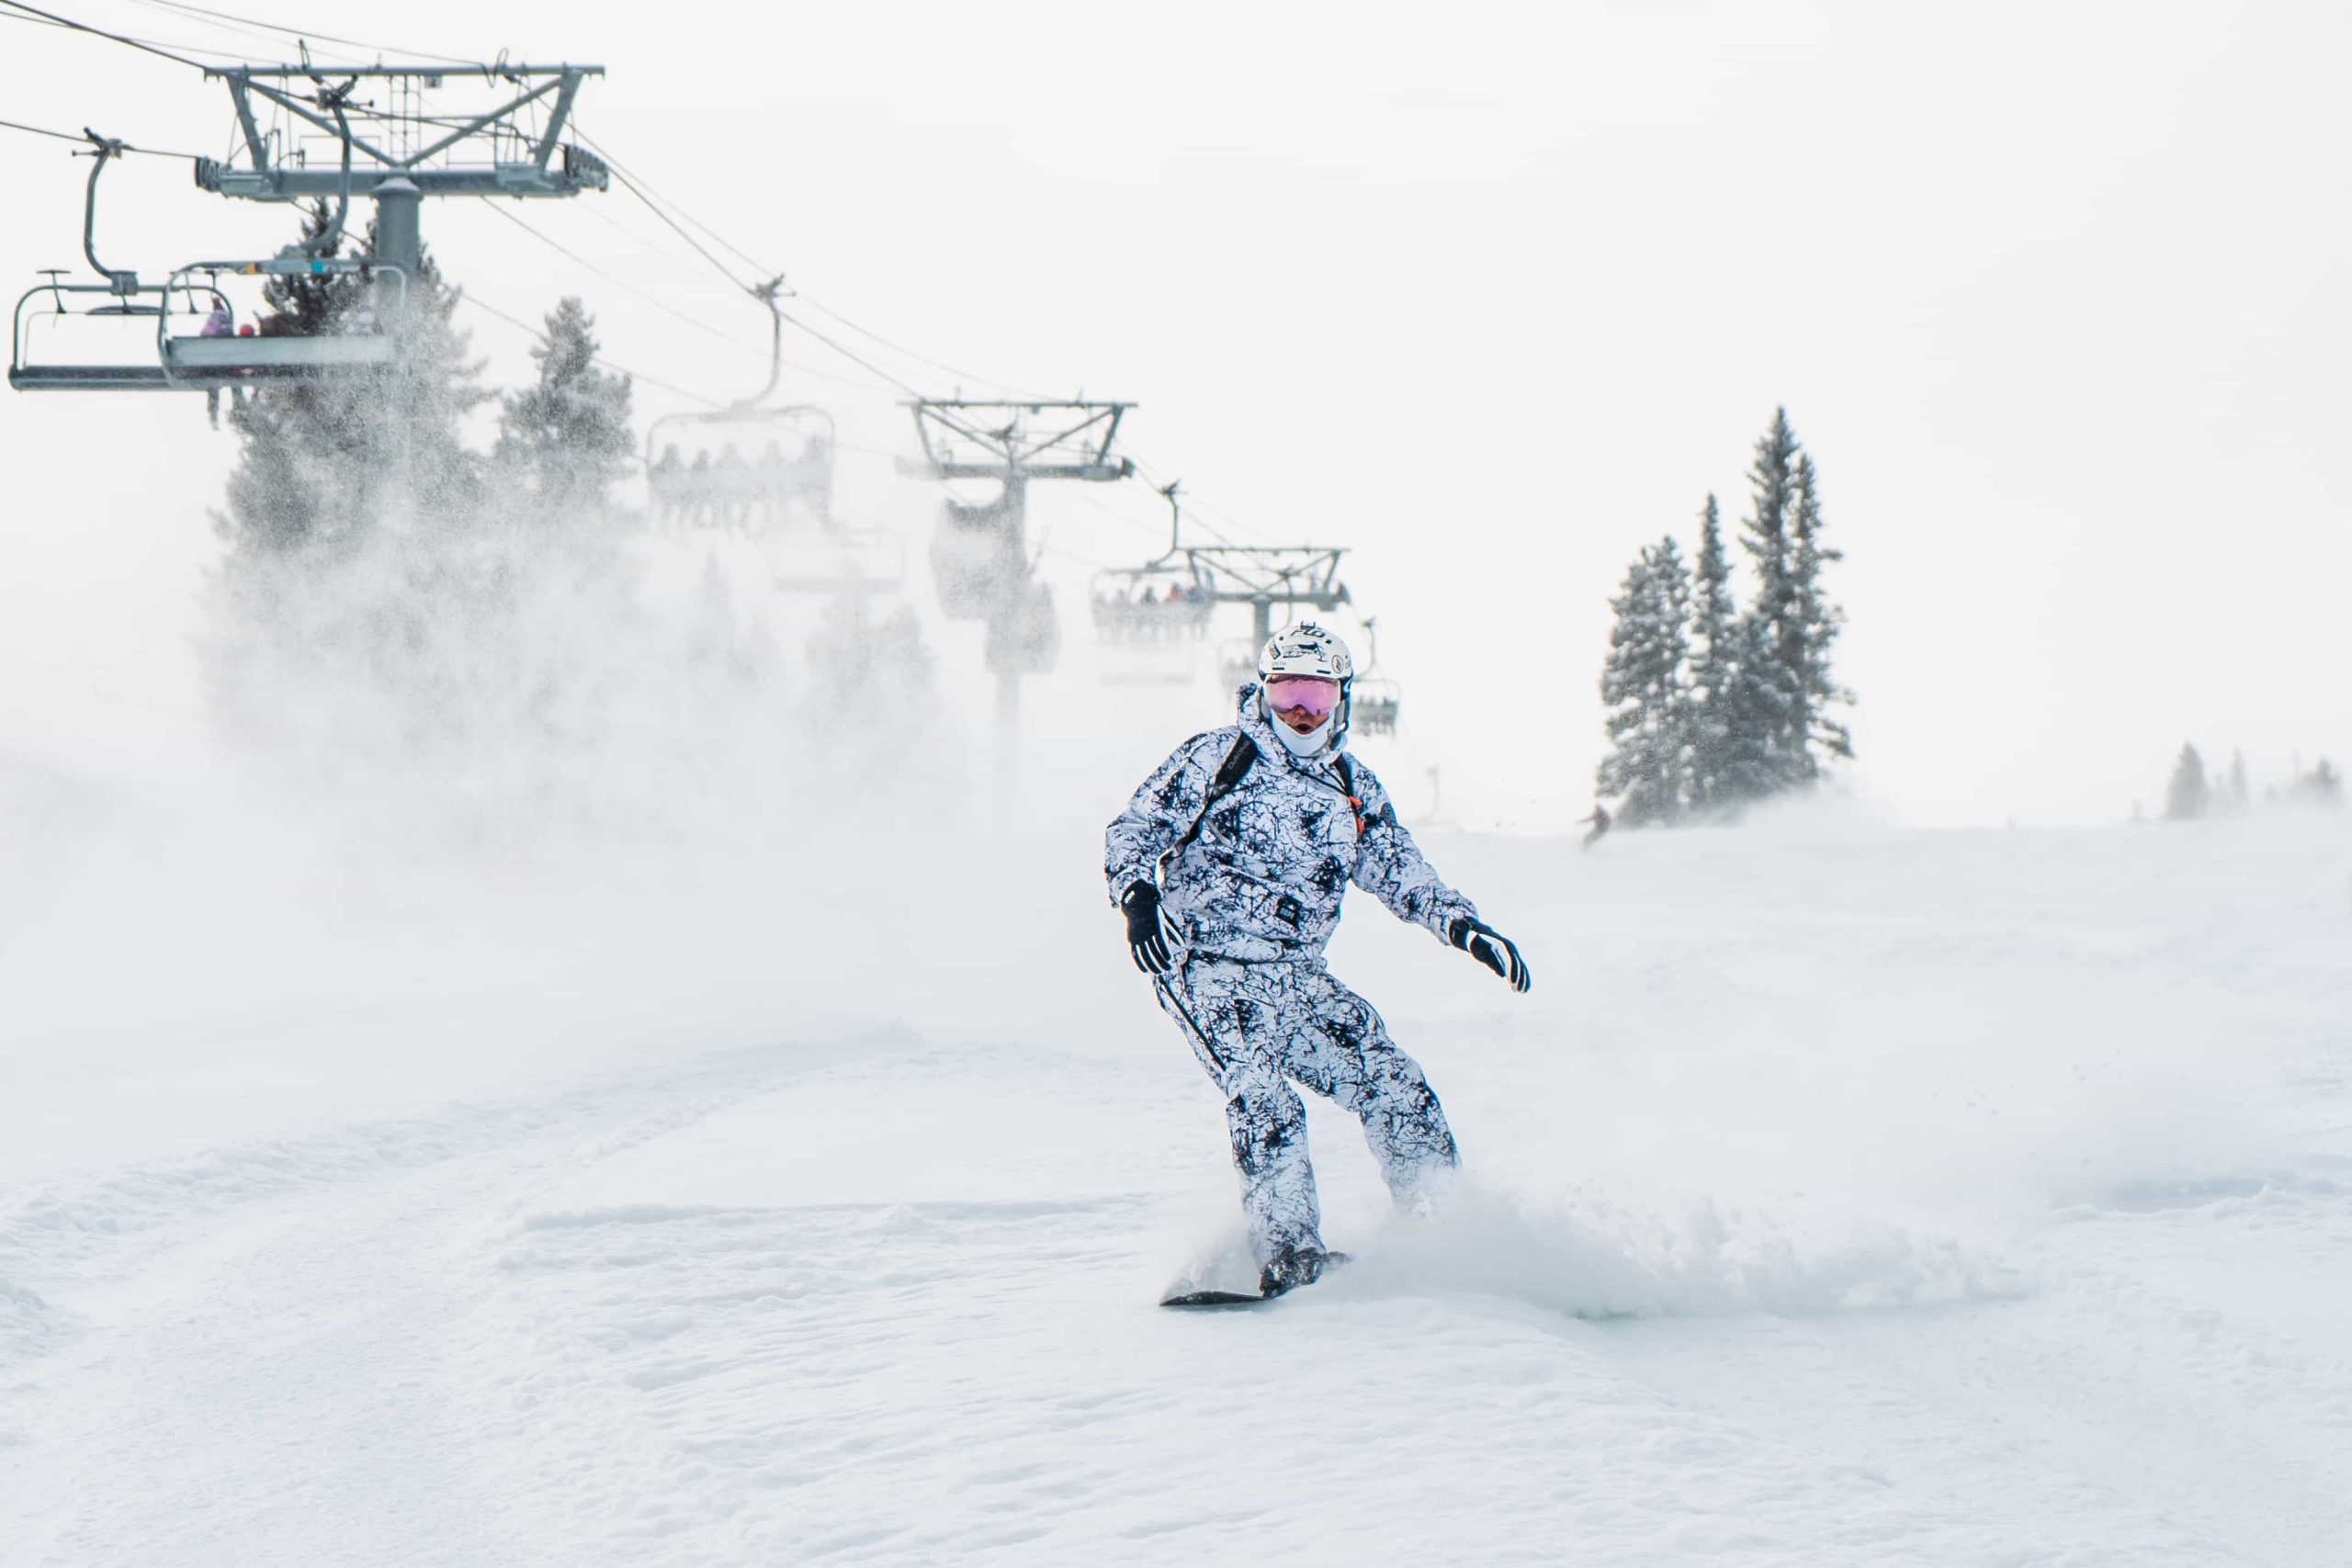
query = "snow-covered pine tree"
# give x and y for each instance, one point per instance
(2187, 795)
(328, 463)
(2322, 786)
(567, 435)
(1809, 633)
(1642, 684)
(1770, 630)
(1729, 764)
(1712, 619)
(2233, 798)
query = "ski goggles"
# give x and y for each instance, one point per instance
(1317, 696)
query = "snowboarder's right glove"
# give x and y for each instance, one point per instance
(1491, 948)
(1149, 937)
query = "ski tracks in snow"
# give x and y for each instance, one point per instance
(882, 1304)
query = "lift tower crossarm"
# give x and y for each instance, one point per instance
(1076, 444)
(253, 174)
(1289, 574)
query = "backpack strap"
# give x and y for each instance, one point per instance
(1228, 778)
(1348, 787)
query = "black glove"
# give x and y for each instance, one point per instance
(1489, 947)
(1150, 936)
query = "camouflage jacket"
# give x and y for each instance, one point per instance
(1260, 880)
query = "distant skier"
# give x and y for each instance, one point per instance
(1599, 820)
(1230, 864)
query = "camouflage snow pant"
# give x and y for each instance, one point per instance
(1257, 1027)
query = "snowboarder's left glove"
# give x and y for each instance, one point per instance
(1149, 937)
(1491, 948)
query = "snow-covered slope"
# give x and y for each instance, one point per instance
(1841, 1195)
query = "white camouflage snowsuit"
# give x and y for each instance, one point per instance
(1255, 894)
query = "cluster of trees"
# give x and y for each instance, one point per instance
(430, 580)
(1711, 707)
(325, 465)
(2191, 793)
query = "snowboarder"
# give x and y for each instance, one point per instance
(1230, 864)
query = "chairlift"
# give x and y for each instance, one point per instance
(741, 468)
(1375, 701)
(1166, 600)
(220, 352)
(849, 562)
(1237, 661)
(976, 562)
(744, 466)
(1027, 638)
(1374, 707)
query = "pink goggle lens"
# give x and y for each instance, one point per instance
(1317, 697)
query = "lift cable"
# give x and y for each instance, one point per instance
(250, 38)
(84, 141)
(922, 358)
(305, 34)
(56, 20)
(469, 298)
(852, 356)
(663, 208)
(758, 267)
(721, 333)
(627, 182)
(153, 44)
(1197, 510)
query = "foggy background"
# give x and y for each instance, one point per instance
(2055, 299)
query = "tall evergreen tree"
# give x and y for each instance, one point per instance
(326, 463)
(2187, 795)
(1791, 624)
(567, 435)
(1807, 636)
(1771, 716)
(1713, 618)
(2234, 797)
(1730, 757)
(1642, 685)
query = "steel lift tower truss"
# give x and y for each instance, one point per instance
(395, 148)
(979, 556)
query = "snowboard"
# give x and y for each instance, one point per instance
(1241, 1298)
(1219, 1299)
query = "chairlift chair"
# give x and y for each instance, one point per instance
(850, 562)
(1237, 661)
(975, 563)
(741, 468)
(1166, 600)
(1375, 701)
(1027, 638)
(1374, 705)
(191, 361)
(203, 361)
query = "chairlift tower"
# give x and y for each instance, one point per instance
(980, 553)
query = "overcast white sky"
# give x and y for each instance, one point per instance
(2056, 296)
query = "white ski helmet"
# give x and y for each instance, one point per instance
(1305, 650)
(1308, 650)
